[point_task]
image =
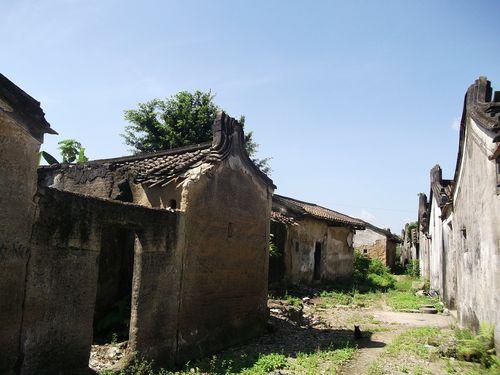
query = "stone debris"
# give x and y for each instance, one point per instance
(107, 356)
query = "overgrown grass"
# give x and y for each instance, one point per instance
(414, 341)
(399, 300)
(319, 361)
(460, 351)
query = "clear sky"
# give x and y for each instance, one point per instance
(354, 100)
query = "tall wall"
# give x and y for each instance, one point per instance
(336, 250)
(476, 232)
(18, 162)
(435, 255)
(226, 233)
(449, 265)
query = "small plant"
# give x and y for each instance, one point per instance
(71, 151)
(477, 348)
(273, 249)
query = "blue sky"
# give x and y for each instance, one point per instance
(354, 100)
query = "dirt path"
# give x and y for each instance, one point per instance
(370, 349)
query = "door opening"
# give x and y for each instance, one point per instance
(317, 261)
(114, 286)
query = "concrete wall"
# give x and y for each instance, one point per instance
(476, 232)
(62, 275)
(18, 162)
(336, 250)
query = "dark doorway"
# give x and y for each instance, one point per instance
(277, 252)
(114, 285)
(317, 261)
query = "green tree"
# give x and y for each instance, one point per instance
(71, 151)
(181, 120)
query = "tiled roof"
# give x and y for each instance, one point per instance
(318, 212)
(22, 108)
(281, 218)
(157, 168)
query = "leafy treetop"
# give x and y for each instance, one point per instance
(183, 119)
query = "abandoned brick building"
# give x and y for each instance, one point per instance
(177, 239)
(377, 243)
(314, 244)
(459, 225)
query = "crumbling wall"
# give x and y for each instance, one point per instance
(336, 251)
(339, 255)
(226, 233)
(371, 243)
(62, 278)
(18, 162)
(476, 232)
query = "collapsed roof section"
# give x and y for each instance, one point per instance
(291, 208)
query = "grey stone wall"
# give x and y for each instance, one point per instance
(18, 162)
(224, 282)
(62, 274)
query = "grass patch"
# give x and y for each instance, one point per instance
(353, 298)
(414, 341)
(399, 300)
(325, 361)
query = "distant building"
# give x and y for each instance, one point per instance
(314, 243)
(377, 243)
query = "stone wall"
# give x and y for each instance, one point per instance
(18, 162)
(337, 253)
(224, 286)
(62, 276)
(372, 244)
(376, 246)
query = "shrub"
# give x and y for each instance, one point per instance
(371, 274)
(413, 268)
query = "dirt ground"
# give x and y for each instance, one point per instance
(306, 327)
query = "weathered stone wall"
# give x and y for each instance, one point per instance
(226, 234)
(18, 162)
(337, 253)
(338, 261)
(371, 243)
(62, 275)
(476, 232)
(391, 247)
